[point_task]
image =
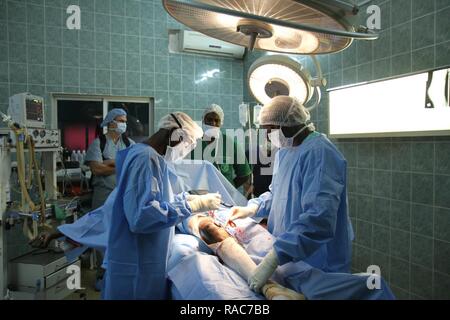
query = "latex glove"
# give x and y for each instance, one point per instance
(263, 271)
(202, 203)
(243, 212)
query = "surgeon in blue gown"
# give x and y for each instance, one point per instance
(145, 211)
(306, 205)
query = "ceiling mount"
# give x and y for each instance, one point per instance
(285, 26)
(255, 30)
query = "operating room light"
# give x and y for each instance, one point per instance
(226, 20)
(286, 26)
(264, 74)
(274, 75)
(302, 41)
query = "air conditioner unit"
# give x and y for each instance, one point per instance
(196, 42)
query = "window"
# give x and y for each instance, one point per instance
(138, 117)
(79, 118)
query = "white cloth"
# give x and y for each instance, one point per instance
(202, 175)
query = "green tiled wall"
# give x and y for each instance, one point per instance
(121, 49)
(398, 187)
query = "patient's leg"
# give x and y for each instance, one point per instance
(235, 257)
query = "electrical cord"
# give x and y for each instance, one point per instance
(70, 202)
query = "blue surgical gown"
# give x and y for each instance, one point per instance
(307, 206)
(145, 212)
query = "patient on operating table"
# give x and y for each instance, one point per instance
(233, 255)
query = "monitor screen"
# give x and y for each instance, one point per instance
(34, 110)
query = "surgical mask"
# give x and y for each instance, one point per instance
(121, 127)
(177, 153)
(211, 132)
(279, 140)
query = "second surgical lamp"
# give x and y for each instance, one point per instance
(275, 75)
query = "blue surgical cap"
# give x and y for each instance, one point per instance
(112, 115)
